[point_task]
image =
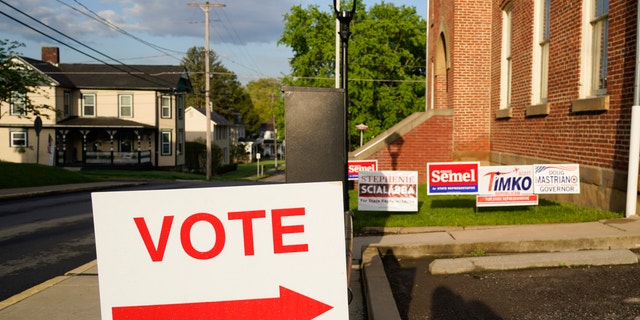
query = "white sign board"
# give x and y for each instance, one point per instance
(257, 252)
(505, 186)
(556, 178)
(388, 191)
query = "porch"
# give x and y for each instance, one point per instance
(104, 142)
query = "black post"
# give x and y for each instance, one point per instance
(345, 17)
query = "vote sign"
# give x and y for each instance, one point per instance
(256, 252)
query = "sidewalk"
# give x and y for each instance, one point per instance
(18, 193)
(75, 295)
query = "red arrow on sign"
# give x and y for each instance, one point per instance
(290, 305)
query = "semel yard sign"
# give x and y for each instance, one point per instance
(257, 252)
(452, 178)
(356, 166)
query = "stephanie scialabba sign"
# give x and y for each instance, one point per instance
(388, 191)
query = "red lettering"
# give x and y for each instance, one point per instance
(185, 236)
(156, 250)
(247, 227)
(156, 253)
(279, 230)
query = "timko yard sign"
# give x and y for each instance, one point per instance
(257, 252)
(452, 178)
(506, 186)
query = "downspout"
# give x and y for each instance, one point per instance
(634, 138)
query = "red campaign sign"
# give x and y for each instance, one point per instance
(356, 166)
(452, 178)
(290, 305)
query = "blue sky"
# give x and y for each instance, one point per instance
(244, 33)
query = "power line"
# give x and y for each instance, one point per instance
(74, 40)
(96, 17)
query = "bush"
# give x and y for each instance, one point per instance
(226, 168)
(196, 156)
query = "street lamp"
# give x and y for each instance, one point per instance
(362, 127)
(345, 17)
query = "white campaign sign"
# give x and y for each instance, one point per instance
(388, 191)
(256, 252)
(556, 178)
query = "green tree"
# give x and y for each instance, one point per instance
(267, 101)
(18, 81)
(227, 95)
(386, 60)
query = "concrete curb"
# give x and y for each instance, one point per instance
(565, 251)
(415, 250)
(533, 260)
(22, 193)
(381, 305)
(45, 285)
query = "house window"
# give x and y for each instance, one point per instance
(18, 104)
(125, 105)
(165, 143)
(165, 106)
(67, 103)
(541, 51)
(89, 105)
(595, 41)
(18, 139)
(505, 70)
(600, 35)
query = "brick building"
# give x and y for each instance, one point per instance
(524, 82)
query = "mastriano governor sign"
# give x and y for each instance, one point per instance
(257, 252)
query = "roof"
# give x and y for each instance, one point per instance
(215, 117)
(103, 76)
(105, 122)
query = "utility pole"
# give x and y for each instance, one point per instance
(207, 74)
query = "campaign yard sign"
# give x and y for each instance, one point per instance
(556, 178)
(388, 191)
(356, 166)
(452, 178)
(506, 186)
(252, 252)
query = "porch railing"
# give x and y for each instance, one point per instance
(119, 158)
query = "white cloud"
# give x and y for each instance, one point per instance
(244, 32)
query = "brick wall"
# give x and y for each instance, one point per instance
(429, 141)
(598, 139)
(471, 78)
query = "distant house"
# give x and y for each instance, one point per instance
(196, 129)
(105, 115)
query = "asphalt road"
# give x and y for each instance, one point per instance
(609, 292)
(44, 237)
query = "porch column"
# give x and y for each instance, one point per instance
(84, 145)
(63, 134)
(137, 132)
(111, 134)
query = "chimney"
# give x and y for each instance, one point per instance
(51, 55)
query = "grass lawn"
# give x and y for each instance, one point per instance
(21, 175)
(433, 210)
(460, 210)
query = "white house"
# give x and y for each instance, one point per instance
(105, 115)
(196, 129)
